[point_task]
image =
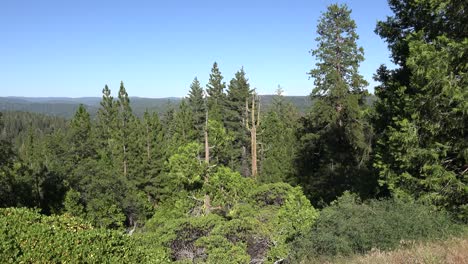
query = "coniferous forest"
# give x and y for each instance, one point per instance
(221, 178)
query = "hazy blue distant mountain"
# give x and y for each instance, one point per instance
(302, 103)
(60, 100)
(66, 107)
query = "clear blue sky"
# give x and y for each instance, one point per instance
(74, 48)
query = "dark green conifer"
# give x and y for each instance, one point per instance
(278, 144)
(216, 96)
(80, 135)
(106, 124)
(335, 136)
(238, 95)
(125, 117)
(197, 104)
(153, 157)
(421, 115)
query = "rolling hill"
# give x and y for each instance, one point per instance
(66, 107)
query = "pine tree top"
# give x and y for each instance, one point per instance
(215, 86)
(337, 54)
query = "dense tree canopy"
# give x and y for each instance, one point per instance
(223, 176)
(421, 114)
(335, 136)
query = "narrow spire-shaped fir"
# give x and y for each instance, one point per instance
(197, 105)
(216, 96)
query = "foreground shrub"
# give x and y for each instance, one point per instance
(349, 226)
(214, 215)
(29, 237)
(246, 222)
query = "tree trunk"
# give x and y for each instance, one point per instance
(207, 204)
(253, 133)
(207, 145)
(125, 161)
(253, 136)
(148, 142)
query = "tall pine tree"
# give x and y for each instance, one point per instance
(335, 136)
(238, 94)
(278, 144)
(106, 124)
(80, 135)
(197, 104)
(180, 126)
(154, 153)
(216, 96)
(125, 118)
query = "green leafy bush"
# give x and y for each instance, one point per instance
(29, 237)
(350, 226)
(246, 221)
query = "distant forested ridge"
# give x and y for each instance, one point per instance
(66, 107)
(225, 174)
